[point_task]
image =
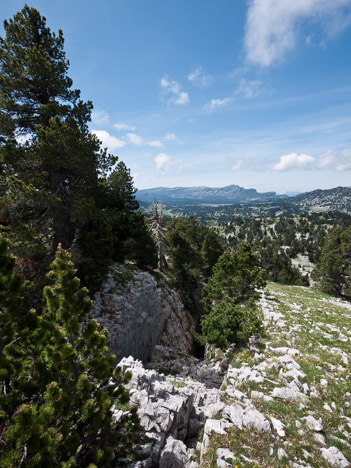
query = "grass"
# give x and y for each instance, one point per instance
(319, 327)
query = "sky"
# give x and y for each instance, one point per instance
(214, 92)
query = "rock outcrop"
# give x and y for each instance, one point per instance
(172, 411)
(141, 312)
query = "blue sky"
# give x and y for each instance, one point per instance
(203, 92)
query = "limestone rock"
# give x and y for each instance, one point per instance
(334, 457)
(286, 393)
(246, 417)
(278, 426)
(173, 455)
(140, 312)
(218, 426)
(314, 424)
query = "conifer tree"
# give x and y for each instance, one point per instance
(229, 299)
(67, 418)
(56, 184)
(333, 269)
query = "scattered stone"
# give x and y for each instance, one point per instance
(282, 453)
(327, 407)
(246, 417)
(333, 456)
(243, 374)
(225, 454)
(319, 438)
(314, 424)
(278, 427)
(306, 454)
(286, 393)
(216, 425)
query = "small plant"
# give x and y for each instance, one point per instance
(177, 383)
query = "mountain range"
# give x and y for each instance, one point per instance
(336, 199)
(230, 194)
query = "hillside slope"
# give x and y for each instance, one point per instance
(298, 379)
(284, 401)
(336, 199)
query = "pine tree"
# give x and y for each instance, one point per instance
(211, 250)
(34, 86)
(236, 276)
(56, 184)
(67, 419)
(15, 325)
(229, 299)
(333, 269)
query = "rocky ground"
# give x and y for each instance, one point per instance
(283, 401)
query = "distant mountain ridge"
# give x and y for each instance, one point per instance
(335, 199)
(229, 194)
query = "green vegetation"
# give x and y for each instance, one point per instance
(59, 192)
(229, 299)
(56, 376)
(318, 327)
(57, 184)
(334, 266)
(192, 251)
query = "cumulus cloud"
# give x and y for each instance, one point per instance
(249, 89)
(163, 163)
(100, 117)
(170, 136)
(135, 139)
(199, 78)
(293, 161)
(123, 126)
(174, 90)
(217, 103)
(109, 141)
(272, 25)
(335, 160)
(154, 143)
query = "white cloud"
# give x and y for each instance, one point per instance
(174, 90)
(166, 164)
(170, 136)
(272, 25)
(182, 99)
(108, 141)
(237, 165)
(200, 78)
(135, 139)
(154, 143)
(123, 126)
(163, 163)
(335, 160)
(100, 117)
(217, 103)
(249, 89)
(293, 161)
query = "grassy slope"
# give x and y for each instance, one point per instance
(319, 327)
